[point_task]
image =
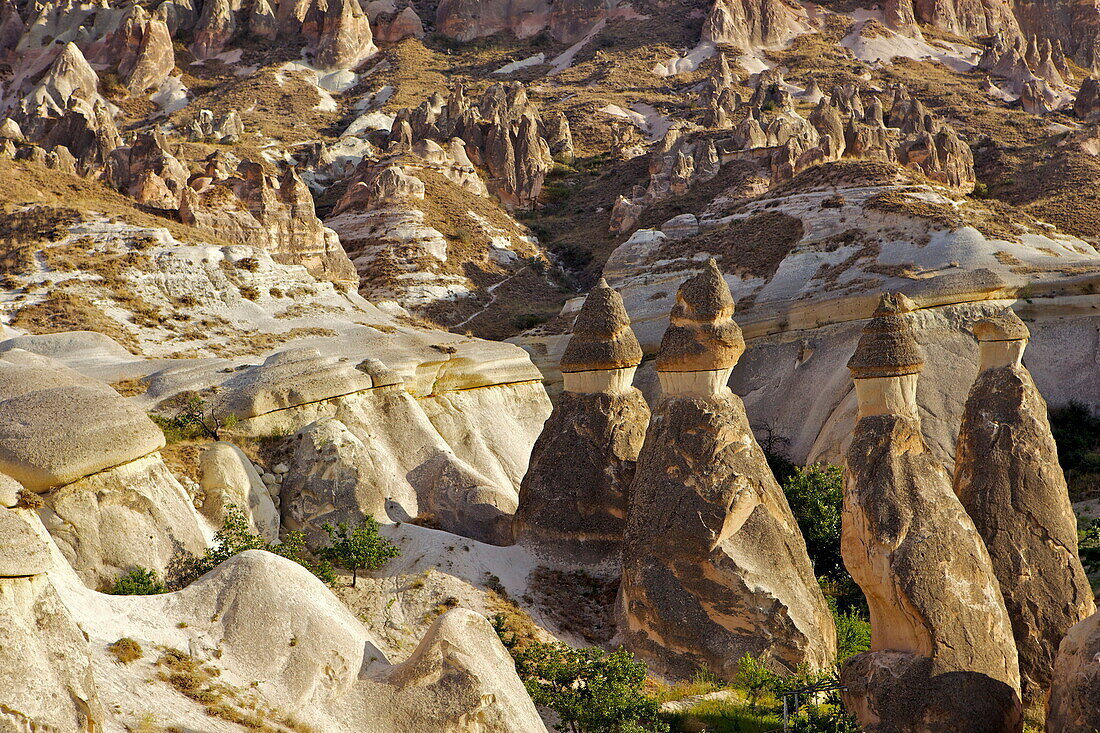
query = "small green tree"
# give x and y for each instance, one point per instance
(591, 690)
(358, 548)
(138, 582)
(756, 679)
(235, 537)
(816, 496)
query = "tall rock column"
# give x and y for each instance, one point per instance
(714, 566)
(942, 655)
(1008, 479)
(572, 502)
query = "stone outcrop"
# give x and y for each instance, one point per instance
(273, 212)
(942, 655)
(46, 678)
(1075, 685)
(345, 38)
(228, 478)
(148, 173)
(365, 445)
(1087, 104)
(574, 496)
(750, 24)
(1008, 479)
(968, 17)
(567, 21)
(109, 501)
(141, 51)
(714, 565)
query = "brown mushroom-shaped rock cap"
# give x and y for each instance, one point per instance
(702, 335)
(888, 347)
(1004, 326)
(602, 337)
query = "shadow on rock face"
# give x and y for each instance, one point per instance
(891, 692)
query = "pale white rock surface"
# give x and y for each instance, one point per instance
(229, 478)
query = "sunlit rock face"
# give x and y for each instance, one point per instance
(573, 499)
(903, 533)
(714, 565)
(1008, 479)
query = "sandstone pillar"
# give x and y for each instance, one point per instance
(1008, 479)
(572, 501)
(714, 565)
(942, 655)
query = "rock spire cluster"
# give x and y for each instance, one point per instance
(942, 652)
(1008, 478)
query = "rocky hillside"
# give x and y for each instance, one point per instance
(561, 293)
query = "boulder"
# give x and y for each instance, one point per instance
(1087, 104)
(1074, 702)
(1008, 479)
(938, 620)
(229, 478)
(714, 564)
(345, 40)
(54, 436)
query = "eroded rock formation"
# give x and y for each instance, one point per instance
(1008, 479)
(573, 499)
(1075, 685)
(714, 565)
(942, 654)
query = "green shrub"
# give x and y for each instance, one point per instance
(816, 496)
(591, 690)
(853, 634)
(193, 420)
(756, 679)
(236, 537)
(138, 582)
(358, 548)
(1076, 430)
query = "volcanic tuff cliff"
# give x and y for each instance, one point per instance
(315, 259)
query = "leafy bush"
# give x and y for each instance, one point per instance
(591, 690)
(1089, 546)
(193, 420)
(359, 548)
(235, 537)
(816, 496)
(1077, 432)
(126, 650)
(853, 634)
(756, 679)
(138, 582)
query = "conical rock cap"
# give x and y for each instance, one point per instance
(602, 337)
(888, 347)
(1004, 326)
(702, 335)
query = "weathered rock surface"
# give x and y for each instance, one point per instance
(51, 437)
(274, 212)
(1075, 685)
(22, 552)
(228, 478)
(596, 430)
(708, 521)
(136, 514)
(1087, 104)
(46, 677)
(1009, 481)
(904, 532)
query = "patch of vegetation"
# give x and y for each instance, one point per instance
(357, 548)
(816, 496)
(1076, 430)
(194, 419)
(138, 582)
(27, 499)
(66, 311)
(591, 690)
(236, 537)
(126, 650)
